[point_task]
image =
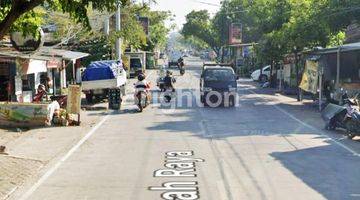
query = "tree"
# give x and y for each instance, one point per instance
(20, 14)
(157, 29)
(199, 25)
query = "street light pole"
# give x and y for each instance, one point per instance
(118, 28)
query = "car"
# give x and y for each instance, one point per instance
(136, 67)
(218, 85)
(264, 77)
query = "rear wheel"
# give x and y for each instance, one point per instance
(351, 128)
(89, 98)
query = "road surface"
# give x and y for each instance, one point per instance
(257, 150)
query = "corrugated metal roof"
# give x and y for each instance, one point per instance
(65, 54)
(343, 48)
(44, 53)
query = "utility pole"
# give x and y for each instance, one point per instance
(118, 28)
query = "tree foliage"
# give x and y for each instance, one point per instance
(288, 26)
(158, 30)
(200, 26)
(21, 15)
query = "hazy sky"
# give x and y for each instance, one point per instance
(180, 8)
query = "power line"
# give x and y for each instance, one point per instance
(207, 3)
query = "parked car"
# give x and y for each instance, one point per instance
(219, 81)
(257, 76)
(136, 67)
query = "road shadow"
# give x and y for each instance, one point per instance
(336, 179)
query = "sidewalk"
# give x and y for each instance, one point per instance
(307, 111)
(28, 151)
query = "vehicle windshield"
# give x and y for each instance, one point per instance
(219, 75)
(135, 63)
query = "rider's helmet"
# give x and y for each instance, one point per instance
(168, 73)
(141, 77)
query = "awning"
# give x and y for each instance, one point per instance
(342, 48)
(65, 54)
(45, 53)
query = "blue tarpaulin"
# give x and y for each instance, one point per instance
(102, 70)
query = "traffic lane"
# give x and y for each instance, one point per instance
(260, 157)
(298, 149)
(309, 156)
(116, 164)
(238, 160)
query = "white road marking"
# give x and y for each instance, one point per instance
(62, 160)
(222, 191)
(313, 128)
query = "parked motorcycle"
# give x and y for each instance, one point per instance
(346, 116)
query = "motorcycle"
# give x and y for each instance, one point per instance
(169, 91)
(142, 97)
(346, 116)
(160, 84)
(181, 68)
(182, 71)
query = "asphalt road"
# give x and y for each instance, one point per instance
(184, 151)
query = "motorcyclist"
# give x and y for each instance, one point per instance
(181, 63)
(142, 85)
(169, 80)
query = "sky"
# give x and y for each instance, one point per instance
(180, 8)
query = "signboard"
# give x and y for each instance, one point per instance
(145, 22)
(74, 99)
(23, 115)
(54, 63)
(23, 42)
(18, 85)
(235, 33)
(309, 81)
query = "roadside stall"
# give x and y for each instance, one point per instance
(37, 87)
(330, 72)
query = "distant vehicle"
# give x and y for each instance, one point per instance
(100, 76)
(218, 84)
(257, 76)
(137, 63)
(173, 58)
(136, 67)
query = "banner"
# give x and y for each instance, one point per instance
(74, 99)
(235, 33)
(310, 79)
(22, 114)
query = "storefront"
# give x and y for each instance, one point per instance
(332, 71)
(23, 73)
